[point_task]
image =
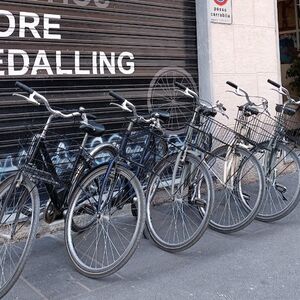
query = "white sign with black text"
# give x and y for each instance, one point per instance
(220, 11)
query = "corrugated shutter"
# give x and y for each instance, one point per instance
(160, 35)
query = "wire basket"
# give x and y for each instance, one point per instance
(210, 134)
(256, 129)
(144, 158)
(290, 121)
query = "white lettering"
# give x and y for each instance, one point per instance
(111, 66)
(41, 63)
(95, 71)
(78, 71)
(48, 26)
(11, 23)
(11, 62)
(2, 73)
(129, 64)
(59, 69)
(31, 25)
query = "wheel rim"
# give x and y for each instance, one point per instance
(282, 182)
(16, 231)
(238, 195)
(163, 95)
(174, 210)
(108, 234)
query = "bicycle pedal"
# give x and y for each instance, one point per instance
(280, 188)
(200, 203)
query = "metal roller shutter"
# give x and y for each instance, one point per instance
(161, 35)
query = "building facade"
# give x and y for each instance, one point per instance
(75, 51)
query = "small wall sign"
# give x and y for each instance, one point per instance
(220, 11)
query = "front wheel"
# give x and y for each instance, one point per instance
(239, 188)
(101, 207)
(282, 172)
(19, 210)
(179, 202)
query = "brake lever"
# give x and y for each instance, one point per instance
(28, 99)
(123, 106)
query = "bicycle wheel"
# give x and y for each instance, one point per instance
(18, 227)
(239, 188)
(163, 95)
(179, 202)
(282, 172)
(101, 206)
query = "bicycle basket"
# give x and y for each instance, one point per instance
(210, 134)
(256, 129)
(290, 122)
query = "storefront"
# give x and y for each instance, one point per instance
(75, 51)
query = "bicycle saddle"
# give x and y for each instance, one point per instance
(92, 128)
(162, 115)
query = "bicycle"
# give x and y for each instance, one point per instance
(19, 194)
(237, 175)
(276, 154)
(154, 137)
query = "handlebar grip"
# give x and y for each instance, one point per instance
(24, 87)
(274, 83)
(181, 86)
(232, 84)
(116, 96)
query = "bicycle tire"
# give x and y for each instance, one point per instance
(228, 218)
(70, 235)
(276, 206)
(34, 196)
(191, 214)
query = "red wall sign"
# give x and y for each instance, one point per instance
(221, 2)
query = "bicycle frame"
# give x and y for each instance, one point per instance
(39, 166)
(122, 155)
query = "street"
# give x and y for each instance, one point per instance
(261, 262)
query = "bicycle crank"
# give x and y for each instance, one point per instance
(51, 213)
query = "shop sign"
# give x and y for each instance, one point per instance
(220, 11)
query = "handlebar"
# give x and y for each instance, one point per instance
(274, 83)
(186, 91)
(130, 107)
(283, 91)
(117, 97)
(24, 87)
(181, 86)
(32, 99)
(232, 84)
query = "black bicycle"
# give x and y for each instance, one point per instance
(19, 194)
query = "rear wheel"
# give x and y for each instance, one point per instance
(101, 207)
(239, 188)
(19, 213)
(179, 202)
(282, 172)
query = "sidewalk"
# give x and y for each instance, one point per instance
(261, 262)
